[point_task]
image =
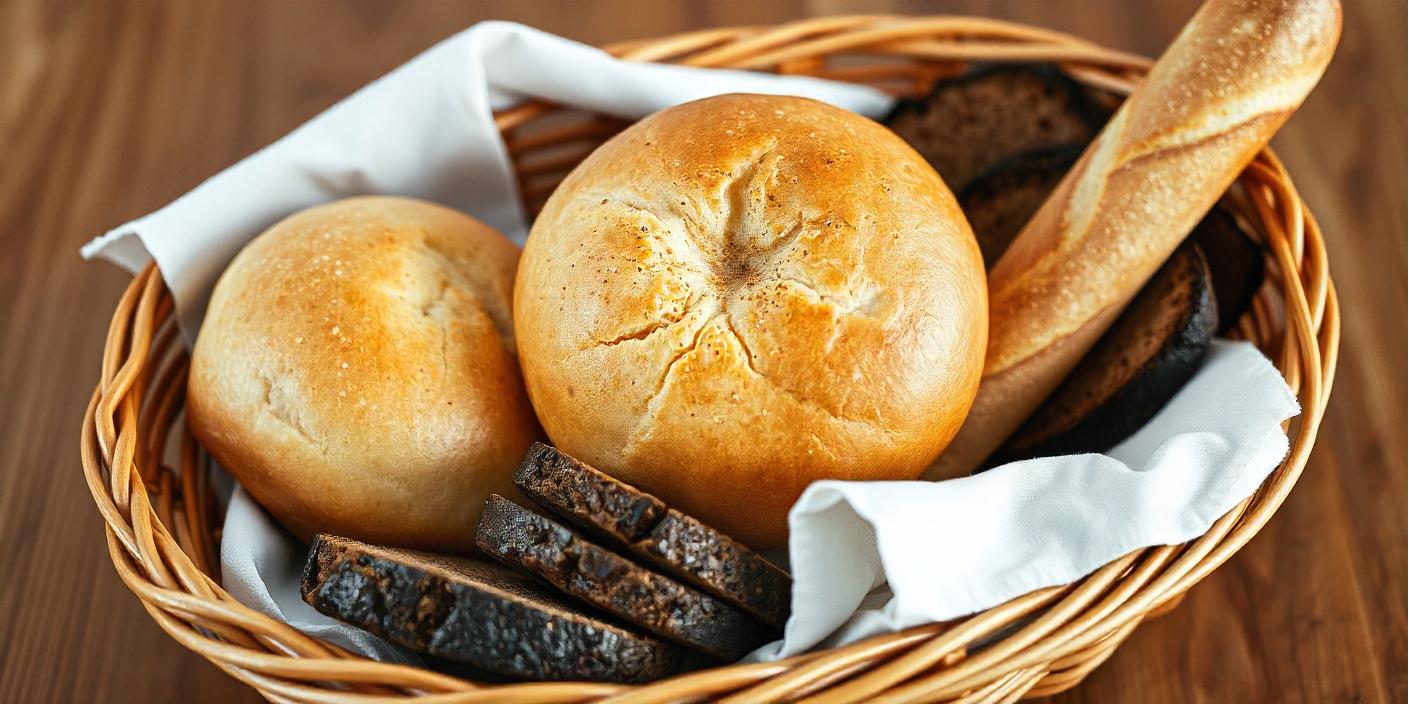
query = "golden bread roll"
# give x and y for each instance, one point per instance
(741, 295)
(356, 372)
(1224, 86)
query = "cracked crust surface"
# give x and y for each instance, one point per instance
(751, 292)
(356, 372)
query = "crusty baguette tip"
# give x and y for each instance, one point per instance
(1225, 85)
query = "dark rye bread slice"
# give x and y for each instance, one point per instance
(1237, 264)
(968, 123)
(530, 542)
(477, 613)
(676, 543)
(1153, 348)
(1000, 201)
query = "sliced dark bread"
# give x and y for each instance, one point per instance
(530, 542)
(477, 613)
(1237, 264)
(970, 122)
(678, 544)
(1152, 349)
(1000, 201)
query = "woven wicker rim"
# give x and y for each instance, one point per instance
(162, 522)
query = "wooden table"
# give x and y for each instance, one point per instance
(109, 110)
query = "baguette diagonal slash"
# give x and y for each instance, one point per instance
(1226, 84)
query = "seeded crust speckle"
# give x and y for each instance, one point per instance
(475, 612)
(538, 545)
(677, 543)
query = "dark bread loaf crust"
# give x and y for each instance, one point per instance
(968, 123)
(1007, 194)
(1237, 264)
(475, 612)
(530, 542)
(1154, 347)
(678, 544)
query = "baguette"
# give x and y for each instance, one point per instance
(1214, 99)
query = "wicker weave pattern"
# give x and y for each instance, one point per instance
(162, 523)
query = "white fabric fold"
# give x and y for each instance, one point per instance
(425, 130)
(261, 564)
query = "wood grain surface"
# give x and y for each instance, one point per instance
(110, 109)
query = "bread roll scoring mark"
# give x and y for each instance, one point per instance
(743, 242)
(746, 253)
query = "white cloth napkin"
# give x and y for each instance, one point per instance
(425, 130)
(867, 557)
(875, 557)
(262, 566)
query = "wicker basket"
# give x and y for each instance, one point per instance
(163, 523)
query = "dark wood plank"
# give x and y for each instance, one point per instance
(77, 159)
(108, 110)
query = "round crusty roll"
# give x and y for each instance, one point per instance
(356, 372)
(741, 295)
